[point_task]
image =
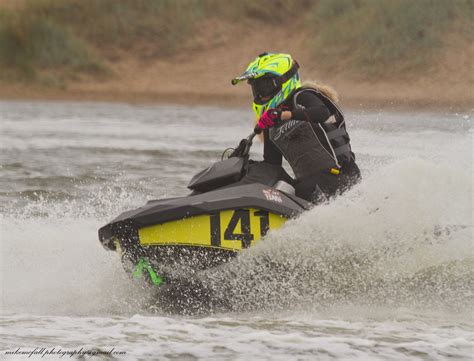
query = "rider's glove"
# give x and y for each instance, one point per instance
(269, 118)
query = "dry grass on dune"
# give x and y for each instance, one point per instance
(128, 50)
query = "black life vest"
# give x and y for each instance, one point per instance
(313, 148)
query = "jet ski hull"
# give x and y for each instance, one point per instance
(199, 231)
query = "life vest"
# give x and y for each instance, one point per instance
(313, 148)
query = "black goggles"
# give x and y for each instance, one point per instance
(265, 87)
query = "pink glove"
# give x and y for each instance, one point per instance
(269, 118)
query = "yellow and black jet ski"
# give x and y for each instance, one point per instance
(234, 203)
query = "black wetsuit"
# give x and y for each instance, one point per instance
(315, 111)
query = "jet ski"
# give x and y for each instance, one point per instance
(234, 203)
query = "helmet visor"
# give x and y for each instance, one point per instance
(264, 87)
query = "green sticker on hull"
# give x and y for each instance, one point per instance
(143, 264)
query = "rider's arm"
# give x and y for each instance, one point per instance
(314, 109)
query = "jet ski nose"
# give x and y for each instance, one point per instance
(107, 238)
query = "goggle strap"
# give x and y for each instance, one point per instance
(289, 74)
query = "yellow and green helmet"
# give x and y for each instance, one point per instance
(273, 78)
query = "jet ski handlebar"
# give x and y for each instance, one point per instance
(257, 130)
(242, 149)
(252, 135)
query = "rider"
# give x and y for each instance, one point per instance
(302, 124)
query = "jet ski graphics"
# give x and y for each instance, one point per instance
(234, 203)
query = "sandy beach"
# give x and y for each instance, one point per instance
(201, 74)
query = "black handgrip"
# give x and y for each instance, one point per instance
(257, 129)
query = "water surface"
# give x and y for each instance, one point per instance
(384, 272)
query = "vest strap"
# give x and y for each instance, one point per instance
(336, 133)
(342, 149)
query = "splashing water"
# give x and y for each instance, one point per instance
(385, 242)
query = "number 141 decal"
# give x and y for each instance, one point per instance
(239, 227)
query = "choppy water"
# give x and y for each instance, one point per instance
(384, 272)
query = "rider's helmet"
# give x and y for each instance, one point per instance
(273, 78)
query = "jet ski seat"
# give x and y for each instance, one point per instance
(285, 187)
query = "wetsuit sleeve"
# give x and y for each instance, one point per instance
(314, 109)
(271, 154)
